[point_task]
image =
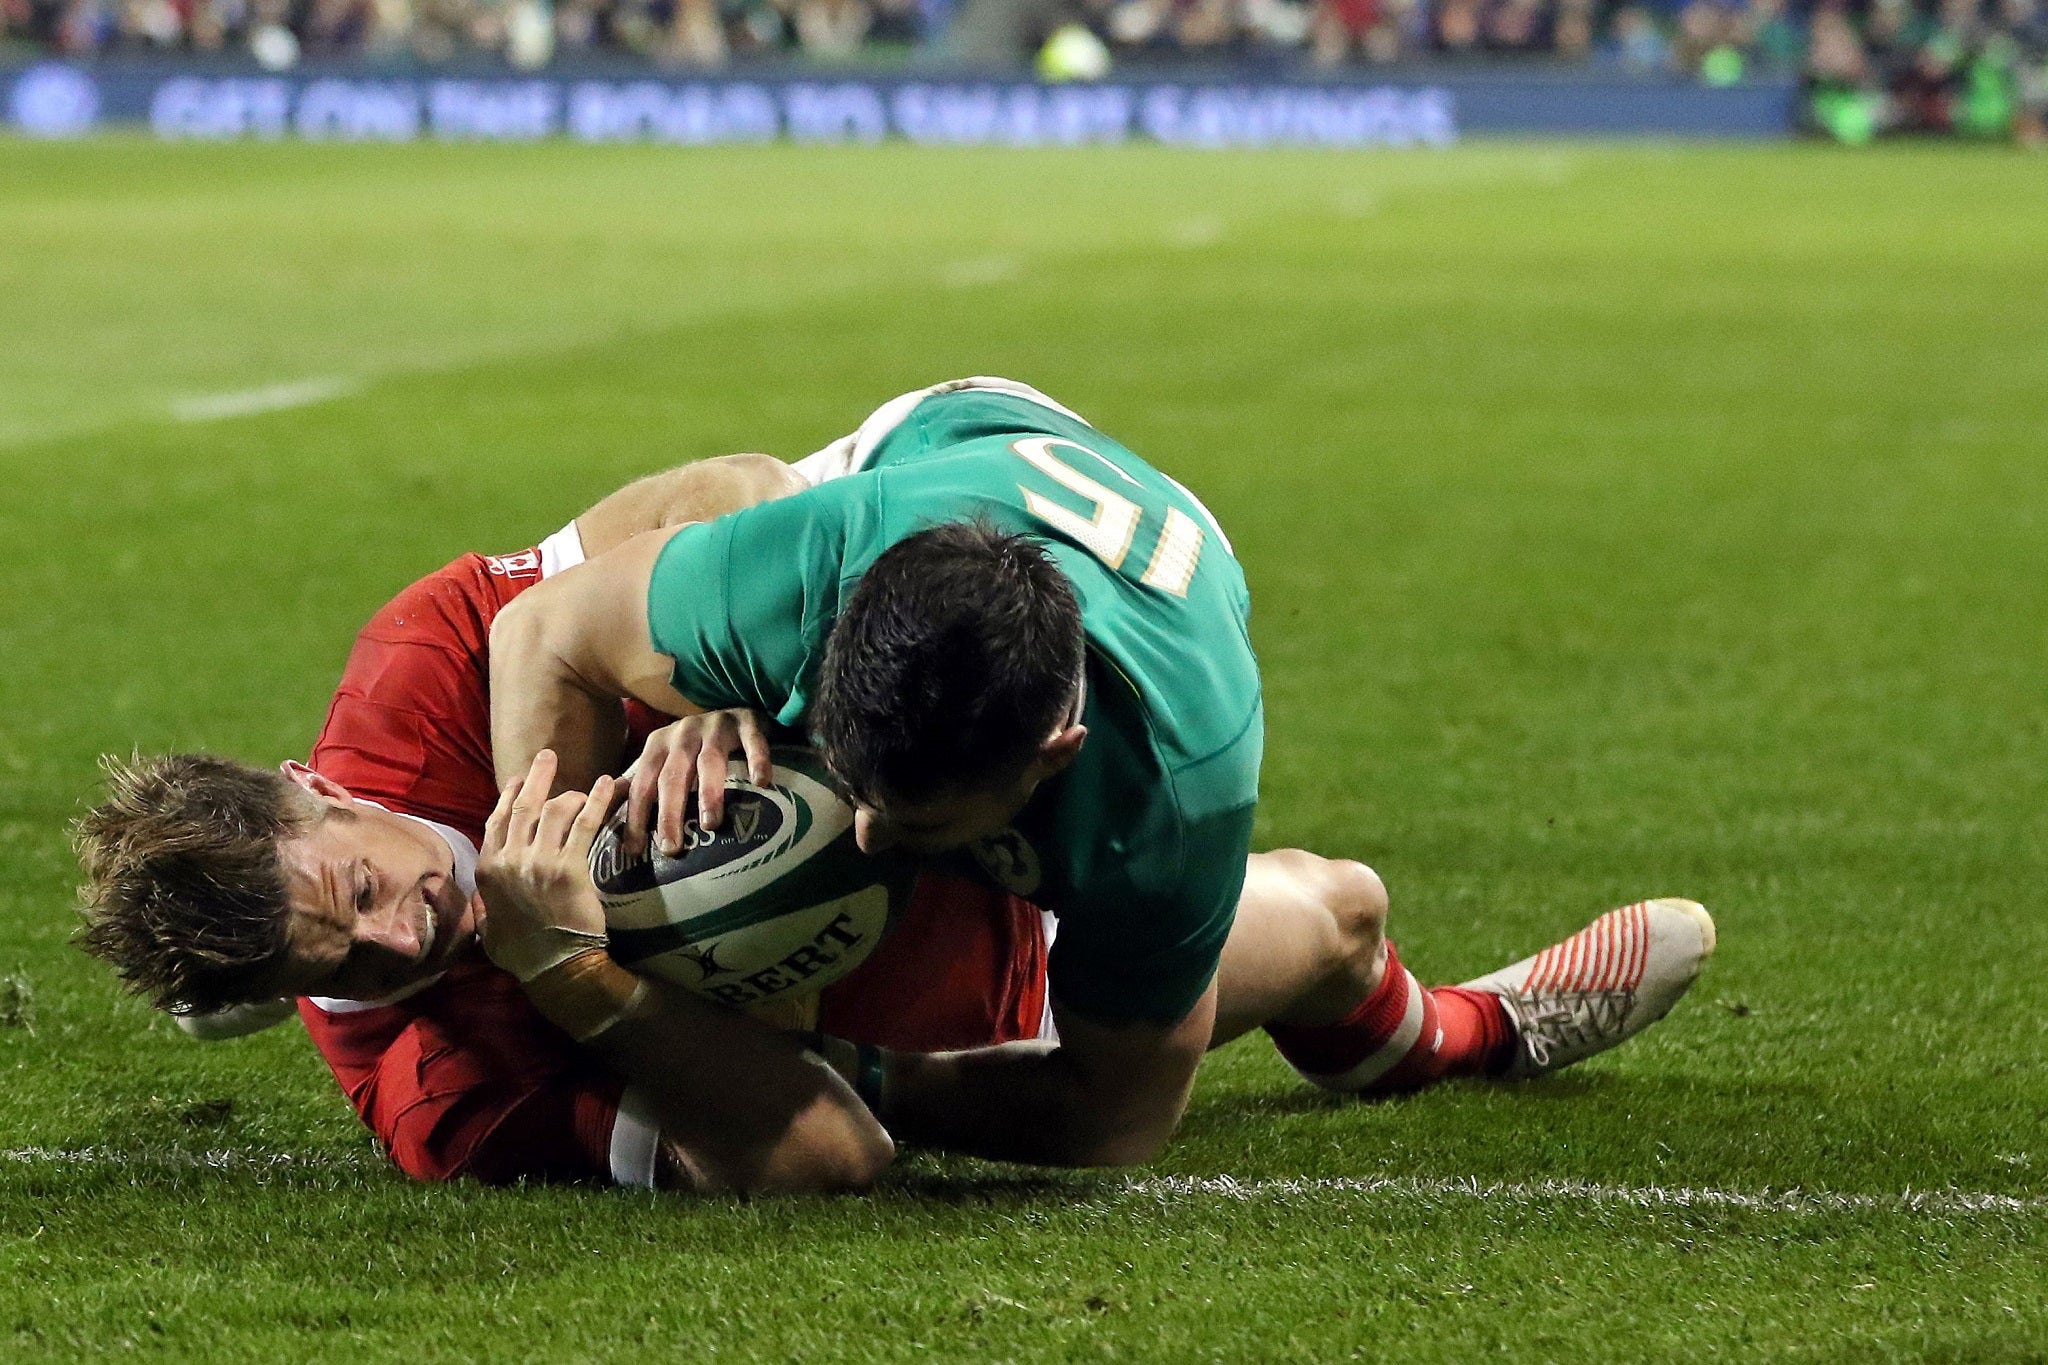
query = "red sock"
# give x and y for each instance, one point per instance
(1400, 1038)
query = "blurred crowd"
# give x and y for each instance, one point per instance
(1963, 67)
(527, 33)
(1869, 66)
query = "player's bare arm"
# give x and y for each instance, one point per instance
(741, 1107)
(694, 492)
(567, 652)
(1104, 1095)
(588, 669)
(1307, 944)
(564, 657)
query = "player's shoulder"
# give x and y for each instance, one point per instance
(452, 608)
(1178, 677)
(409, 724)
(783, 538)
(740, 604)
(1153, 786)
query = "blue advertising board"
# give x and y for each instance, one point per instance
(56, 99)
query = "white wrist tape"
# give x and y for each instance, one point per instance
(586, 994)
(543, 950)
(622, 1008)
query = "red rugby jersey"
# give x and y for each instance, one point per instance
(463, 1076)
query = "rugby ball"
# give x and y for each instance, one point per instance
(776, 903)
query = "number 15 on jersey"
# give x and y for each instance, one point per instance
(1111, 526)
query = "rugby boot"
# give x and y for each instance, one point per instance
(1603, 985)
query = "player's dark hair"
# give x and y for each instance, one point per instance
(184, 893)
(956, 656)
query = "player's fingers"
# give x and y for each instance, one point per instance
(678, 776)
(712, 766)
(533, 794)
(642, 785)
(583, 832)
(551, 831)
(501, 816)
(760, 763)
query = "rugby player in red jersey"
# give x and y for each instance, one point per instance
(439, 1051)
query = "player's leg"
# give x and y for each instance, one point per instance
(1308, 960)
(1307, 945)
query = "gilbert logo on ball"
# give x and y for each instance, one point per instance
(776, 902)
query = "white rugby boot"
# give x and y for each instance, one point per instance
(1603, 985)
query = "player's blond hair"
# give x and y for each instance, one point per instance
(185, 896)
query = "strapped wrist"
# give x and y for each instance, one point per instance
(586, 994)
(542, 950)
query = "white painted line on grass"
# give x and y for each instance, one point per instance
(215, 407)
(1425, 178)
(1169, 1188)
(980, 270)
(217, 1159)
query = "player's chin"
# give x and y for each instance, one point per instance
(441, 952)
(457, 919)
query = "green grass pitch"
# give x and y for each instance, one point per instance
(1620, 522)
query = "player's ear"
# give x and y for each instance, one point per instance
(298, 774)
(1057, 752)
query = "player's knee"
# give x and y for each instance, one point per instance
(1354, 899)
(856, 1167)
(808, 1162)
(1357, 900)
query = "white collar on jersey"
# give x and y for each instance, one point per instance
(465, 880)
(458, 844)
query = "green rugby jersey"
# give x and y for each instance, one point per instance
(1139, 846)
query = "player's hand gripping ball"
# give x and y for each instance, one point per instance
(776, 903)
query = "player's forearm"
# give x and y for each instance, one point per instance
(741, 1107)
(1109, 1094)
(539, 702)
(1025, 1102)
(747, 1109)
(566, 653)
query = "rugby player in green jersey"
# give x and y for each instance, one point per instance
(1022, 648)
